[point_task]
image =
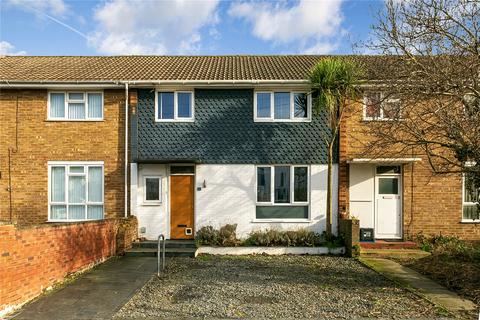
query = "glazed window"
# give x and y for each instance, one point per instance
(75, 106)
(471, 197)
(174, 106)
(282, 106)
(282, 192)
(376, 106)
(153, 189)
(75, 191)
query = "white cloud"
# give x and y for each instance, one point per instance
(7, 49)
(152, 27)
(53, 7)
(313, 25)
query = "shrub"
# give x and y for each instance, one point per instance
(448, 246)
(225, 236)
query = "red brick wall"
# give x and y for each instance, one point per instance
(432, 203)
(33, 258)
(40, 141)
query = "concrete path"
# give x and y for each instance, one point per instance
(431, 290)
(98, 294)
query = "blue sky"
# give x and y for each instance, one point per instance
(200, 27)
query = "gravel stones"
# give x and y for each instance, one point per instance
(273, 287)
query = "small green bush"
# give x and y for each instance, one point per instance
(225, 236)
(448, 246)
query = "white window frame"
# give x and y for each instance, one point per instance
(160, 188)
(382, 102)
(67, 101)
(272, 186)
(464, 203)
(292, 106)
(67, 165)
(176, 118)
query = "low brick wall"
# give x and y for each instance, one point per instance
(34, 258)
(349, 229)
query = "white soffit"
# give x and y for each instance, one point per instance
(384, 160)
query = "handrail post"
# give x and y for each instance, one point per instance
(160, 237)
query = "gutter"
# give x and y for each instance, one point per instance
(140, 83)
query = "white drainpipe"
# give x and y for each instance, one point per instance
(126, 150)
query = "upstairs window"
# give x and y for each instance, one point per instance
(174, 106)
(282, 106)
(376, 106)
(471, 197)
(75, 105)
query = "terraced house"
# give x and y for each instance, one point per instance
(98, 151)
(183, 142)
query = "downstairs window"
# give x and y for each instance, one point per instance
(471, 196)
(282, 192)
(75, 191)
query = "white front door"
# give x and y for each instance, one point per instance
(388, 207)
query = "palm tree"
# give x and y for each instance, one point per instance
(333, 83)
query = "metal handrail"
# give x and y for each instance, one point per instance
(160, 237)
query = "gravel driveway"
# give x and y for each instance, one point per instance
(273, 287)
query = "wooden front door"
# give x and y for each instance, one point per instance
(181, 206)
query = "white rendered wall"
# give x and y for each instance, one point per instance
(229, 198)
(361, 192)
(152, 217)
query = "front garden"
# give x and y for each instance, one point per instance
(452, 263)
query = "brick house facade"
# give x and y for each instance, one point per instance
(33, 141)
(431, 203)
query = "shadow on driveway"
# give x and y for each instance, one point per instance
(98, 294)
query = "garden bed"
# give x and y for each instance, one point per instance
(236, 251)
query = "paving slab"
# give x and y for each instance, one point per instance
(97, 294)
(431, 290)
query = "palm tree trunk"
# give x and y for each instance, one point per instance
(329, 189)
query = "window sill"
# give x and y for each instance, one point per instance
(281, 221)
(152, 204)
(75, 120)
(174, 120)
(74, 221)
(380, 120)
(282, 121)
(470, 221)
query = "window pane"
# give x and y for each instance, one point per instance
(388, 170)
(95, 108)
(166, 105)
(387, 186)
(75, 96)
(282, 105)
(391, 109)
(76, 212)
(281, 212)
(264, 184)
(95, 176)
(182, 169)
(57, 105)
(372, 104)
(58, 184)
(95, 212)
(184, 104)
(282, 184)
(263, 105)
(76, 110)
(77, 169)
(471, 194)
(300, 104)
(58, 212)
(76, 189)
(300, 182)
(152, 189)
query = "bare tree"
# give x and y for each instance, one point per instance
(433, 69)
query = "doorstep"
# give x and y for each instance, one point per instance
(382, 244)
